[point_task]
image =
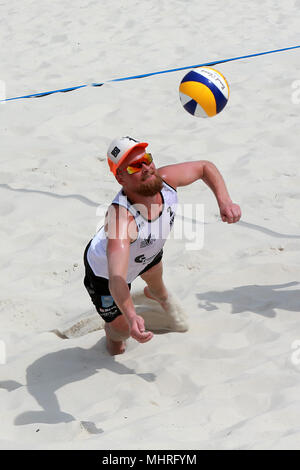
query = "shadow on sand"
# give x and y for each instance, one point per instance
(57, 369)
(262, 300)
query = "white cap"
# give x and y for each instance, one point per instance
(119, 149)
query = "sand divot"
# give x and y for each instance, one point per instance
(90, 428)
(81, 328)
(177, 316)
(156, 318)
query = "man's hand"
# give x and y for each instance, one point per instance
(137, 330)
(230, 212)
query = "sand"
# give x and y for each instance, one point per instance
(232, 380)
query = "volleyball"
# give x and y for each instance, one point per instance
(204, 93)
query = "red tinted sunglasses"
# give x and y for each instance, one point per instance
(137, 165)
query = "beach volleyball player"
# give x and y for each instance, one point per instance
(137, 224)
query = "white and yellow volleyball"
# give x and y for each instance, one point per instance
(204, 93)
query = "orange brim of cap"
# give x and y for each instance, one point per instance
(113, 166)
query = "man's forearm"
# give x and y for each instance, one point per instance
(121, 294)
(213, 178)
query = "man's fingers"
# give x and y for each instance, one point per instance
(146, 337)
(231, 216)
(236, 214)
(231, 213)
(142, 337)
(138, 331)
(141, 324)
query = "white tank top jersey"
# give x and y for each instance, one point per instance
(151, 236)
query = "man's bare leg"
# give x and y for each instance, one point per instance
(155, 288)
(117, 332)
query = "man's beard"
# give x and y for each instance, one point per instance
(150, 188)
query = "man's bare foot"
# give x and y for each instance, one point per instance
(115, 347)
(164, 303)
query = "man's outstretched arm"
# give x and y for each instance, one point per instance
(118, 256)
(183, 174)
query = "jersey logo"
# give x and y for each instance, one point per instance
(172, 215)
(147, 241)
(142, 259)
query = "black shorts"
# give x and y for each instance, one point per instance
(98, 290)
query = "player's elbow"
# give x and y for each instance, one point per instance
(207, 168)
(208, 164)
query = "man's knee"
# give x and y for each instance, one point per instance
(156, 270)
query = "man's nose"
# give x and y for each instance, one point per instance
(145, 166)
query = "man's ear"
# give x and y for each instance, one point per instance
(119, 177)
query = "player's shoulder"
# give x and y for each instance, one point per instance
(120, 224)
(120, 212)
(170, 174)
